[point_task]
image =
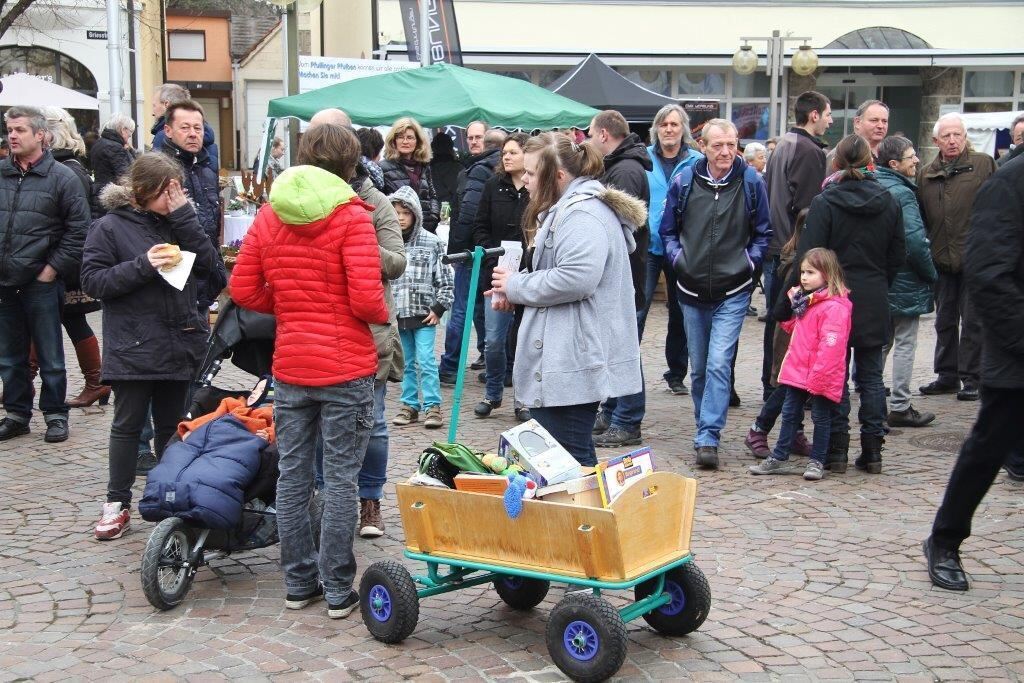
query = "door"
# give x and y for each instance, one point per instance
(257, 99)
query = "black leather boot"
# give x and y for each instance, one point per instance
(837, 459)
(870, 459)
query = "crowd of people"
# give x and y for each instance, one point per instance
(851, 246)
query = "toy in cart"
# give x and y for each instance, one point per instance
(639, 541)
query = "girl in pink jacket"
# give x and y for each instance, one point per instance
(815, 364)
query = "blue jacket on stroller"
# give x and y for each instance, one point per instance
(203, 479)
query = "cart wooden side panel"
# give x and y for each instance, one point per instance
(639, 531)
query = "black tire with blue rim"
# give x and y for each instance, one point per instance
(388, 601)
(521, 593)
(691, 601)
(586, 638)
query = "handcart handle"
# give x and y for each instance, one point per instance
(467, 255)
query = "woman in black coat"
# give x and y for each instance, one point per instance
(153, 335)
(859, 220)
(407, 163)
(499, 218)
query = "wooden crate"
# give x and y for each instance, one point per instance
(649, 525)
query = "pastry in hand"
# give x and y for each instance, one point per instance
(174, 252)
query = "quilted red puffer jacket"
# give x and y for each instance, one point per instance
(816, 359)
(311, 259)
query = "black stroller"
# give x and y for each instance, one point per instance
(176, 550)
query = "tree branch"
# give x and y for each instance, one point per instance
(8, 19)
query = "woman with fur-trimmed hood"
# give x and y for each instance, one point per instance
(578, 342)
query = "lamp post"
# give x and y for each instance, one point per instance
(804, 62)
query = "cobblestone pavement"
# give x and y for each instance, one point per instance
(809, 581)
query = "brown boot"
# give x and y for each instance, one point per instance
(370, 523)
(88, 352)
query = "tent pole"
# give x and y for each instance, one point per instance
(424, 32)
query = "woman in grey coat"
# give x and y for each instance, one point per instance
(578, 342)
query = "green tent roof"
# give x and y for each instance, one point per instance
(440, 95)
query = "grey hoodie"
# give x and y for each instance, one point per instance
(427, 284)
(578, 339)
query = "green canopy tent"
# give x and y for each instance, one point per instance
(440, 95)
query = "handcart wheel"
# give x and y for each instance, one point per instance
(388, 601)
(165, 578)
(521, 593)
(586, 638)
(691, 601)
(316, 517)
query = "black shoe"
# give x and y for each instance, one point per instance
(751, 311)
(909, 418)
(347, 606)
(616, 437)
(484, 407)
(837, 458)
(677, 387)
(734, 399)
(707, 457)
(523, 414)
(57, 430)
(482, 378)
(601, 424)
(1013, 472)
(448, 380)
(762, 318)
(939, 387)
(479, 363)
(944, 568)
(11, 428)
(968, 393)
(293, 601)
(145, 463)
(870, 459)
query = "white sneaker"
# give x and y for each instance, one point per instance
(114, 522)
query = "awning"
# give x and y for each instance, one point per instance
(30, 91)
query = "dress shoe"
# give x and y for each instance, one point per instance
(944, 568)
(479, 364)
(939, 387)
(968, 393)
(909, 418)
(56, 430)
(447, 380)
(11, 428)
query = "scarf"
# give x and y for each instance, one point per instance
(801, 300)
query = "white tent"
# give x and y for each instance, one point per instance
(22, 89)
(982, 128)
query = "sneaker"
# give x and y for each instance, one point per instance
(677, 386)
(145, 463)
(484, 407)
(56, 430)
(616, 437)
(815, 471)
(757, 443)
(770, 466)
(479, 364)
(601, 424)
(939, 387)
(370, 523)
(523, 414)
(909, 418)
(11, 428)
(707, 457)
(433, 419)
(293, 601)
(800, 446)
(345, 608)
(406, 415)
(114, 522)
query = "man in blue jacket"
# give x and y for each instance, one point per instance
(716, 230)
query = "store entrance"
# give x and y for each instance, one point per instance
(847, 89)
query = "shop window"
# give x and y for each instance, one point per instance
(700, 83)
(756, 84)
(996, 84)
(187, 45)
(652, 79)
(751, 120)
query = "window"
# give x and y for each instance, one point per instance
(756, 84)
(991, 90)
(700, 84)
(187, 45)
(652, 79)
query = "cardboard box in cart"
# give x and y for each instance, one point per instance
(531, 447)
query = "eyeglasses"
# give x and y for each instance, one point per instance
(908, 158)
(407, 137)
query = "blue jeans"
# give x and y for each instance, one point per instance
(496, 325)
(374, 472)
(343, 415)
(457, 319)
(712, 331)
(870, 363)
(770, 285)
(627, 412)
(793, 418)
(675, 338)
(770, 411)
(572, 426)
(420, 368)
(30, 314)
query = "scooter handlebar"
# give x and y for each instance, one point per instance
(462, 256)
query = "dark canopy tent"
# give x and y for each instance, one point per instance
(595, 83)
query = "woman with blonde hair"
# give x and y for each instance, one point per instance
(578, 342)
(406, 163)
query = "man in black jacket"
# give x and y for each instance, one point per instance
(184, 141)
(626, 164)
(994, 269)
(44, 215)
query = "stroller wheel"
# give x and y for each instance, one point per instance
(166, 571)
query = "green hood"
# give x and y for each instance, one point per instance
(307, 194)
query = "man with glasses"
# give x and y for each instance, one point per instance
(947, 187)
